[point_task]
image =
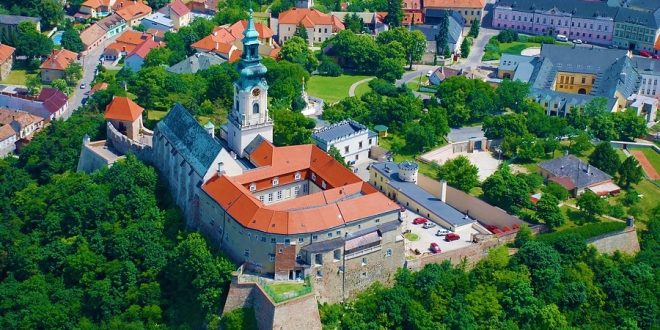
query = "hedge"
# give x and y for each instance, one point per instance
(586, 231)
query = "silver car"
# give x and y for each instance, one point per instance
(428, 225)
(442, 232)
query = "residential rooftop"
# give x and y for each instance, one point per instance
(339, 131)
(574, 171)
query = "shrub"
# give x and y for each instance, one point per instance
(331, 69)
(616, 211)
(557, 190)
(542, 39)
(630, 198)
(383, 87)
(507, 36)
(586, 232)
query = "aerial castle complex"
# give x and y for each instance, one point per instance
(283, 212)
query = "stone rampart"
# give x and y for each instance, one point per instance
(124, 145)
(625, 241)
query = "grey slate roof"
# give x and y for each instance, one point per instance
(431, 30)
(579, 8)
(196, 62)
(383, 228)
(645, 65)
(339, 130)
(194, 144)
(15, 19)
(645, 18)
(613, 70)
(324, 246)
(510, 62)
(421, 196)
(256, 142)
(575, 169)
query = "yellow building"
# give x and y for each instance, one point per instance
(575, 83)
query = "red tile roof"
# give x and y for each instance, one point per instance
(59, 59)
(132, 10)
(346, 197)
(128, 41)
(240, 26)
(454, 4)
(309, 18)
(144, 48)
(179, 8)
(6, 52)
(96, 3)
(53, 99)
(657, 43)
(98, 87)
(123, 108)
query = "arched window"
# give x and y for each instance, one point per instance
(255, 108)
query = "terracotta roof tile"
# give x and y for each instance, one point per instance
(347, 197)
(6, 131)
(53, 99)
(144, 48)
(59, 59)
(454, 4)
(6, 52)
(92, 34)
(309, 18)
(123, 108)
(98, 87)
(133, 10)
(179, 8)
(657, 43)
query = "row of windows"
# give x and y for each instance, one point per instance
(275, 182)
(571, 33)
(655, 81)
(634, 36)
(620, 26)
(552, 22)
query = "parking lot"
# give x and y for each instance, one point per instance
(427, 236)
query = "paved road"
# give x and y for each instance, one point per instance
(89, 63)
(477, 52)
(351, 90)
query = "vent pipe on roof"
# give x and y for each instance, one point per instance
(220, 171)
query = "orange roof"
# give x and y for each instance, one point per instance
(455, 4)
(347, 198)
(128, 41)
(408, 17)
(133, 10)
(657, 43)
(6, 52)
(98, 87)
(144, 48)
(179, 8)
(240, 26)
(309, 18)
(59, 59)
(235, 55)
(123, 108)
(96, 3)
(213, 43)
(92, 34)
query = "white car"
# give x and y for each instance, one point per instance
(577, 41)
(428, 225)
(429, 73)
(442, 232)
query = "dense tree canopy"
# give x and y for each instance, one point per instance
(460, 173)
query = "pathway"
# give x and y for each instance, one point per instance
(473, 60)
(646, 165)
(602, 215)
(351, 90)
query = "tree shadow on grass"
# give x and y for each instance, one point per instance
(579, 217)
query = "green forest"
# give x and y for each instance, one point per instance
(106, 250)
(550, 284)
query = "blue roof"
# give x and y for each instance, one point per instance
(340, 130)
(421, 196)
(194, 144)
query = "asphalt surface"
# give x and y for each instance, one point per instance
(89, 63)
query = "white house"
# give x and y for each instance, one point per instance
(352, 139)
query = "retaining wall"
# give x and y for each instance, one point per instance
(625, 241)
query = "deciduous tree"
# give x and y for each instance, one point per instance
(630, 172)
(460, 173)
(605, 158)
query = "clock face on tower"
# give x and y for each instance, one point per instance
(256, 92)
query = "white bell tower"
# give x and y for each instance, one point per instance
(249, 115)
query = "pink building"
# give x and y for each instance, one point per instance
(588, 21)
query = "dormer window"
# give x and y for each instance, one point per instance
(253, 187)
(276, 181)
(297, 176)
(313, 177)
(323, 184)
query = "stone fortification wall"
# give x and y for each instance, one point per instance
(625, 241)
(124, 145)
(297, 313)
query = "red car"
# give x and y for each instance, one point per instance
(435, 248)
(644, 53)
(452, 237)
(419, 221)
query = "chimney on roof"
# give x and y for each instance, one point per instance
(622, 76)
(220, 171)
(443, 191)
(86, 139)
(217, 45)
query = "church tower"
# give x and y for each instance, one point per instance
(249, 115)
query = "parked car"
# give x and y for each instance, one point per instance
(429, 73)
(83, 86)
(428, 225)
(561, 37)
(656, 57)
(577, 41)
(452, 237)
(419, 221)
(442, 232)
(645, 53)
(435, 248)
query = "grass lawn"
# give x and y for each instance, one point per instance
(411, 237)
(284, 287)
(331, 89)
(16, 77)
(155, 115)
(621, 155)
(424, 168)
(494, 52)
(653, 157)
(362, 89)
